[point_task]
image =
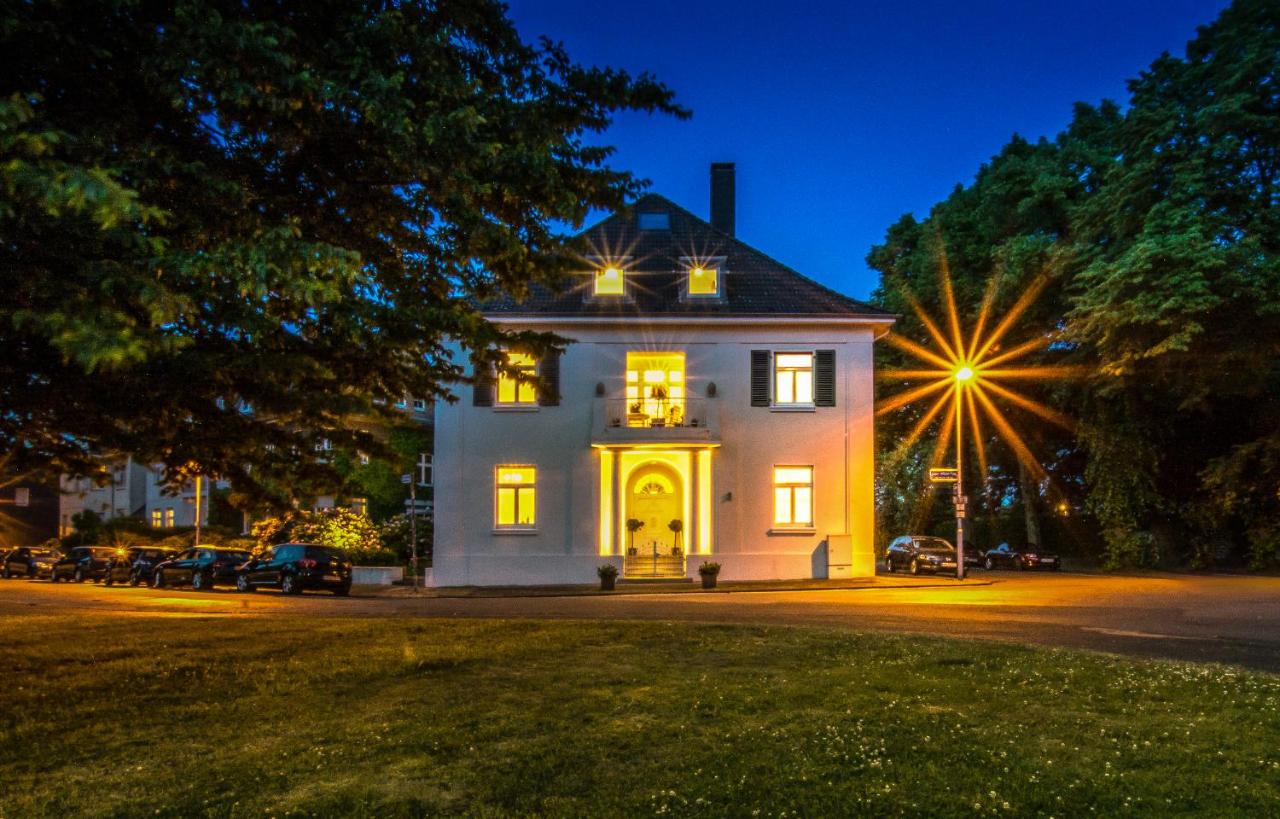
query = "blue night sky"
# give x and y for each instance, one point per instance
(841, 117)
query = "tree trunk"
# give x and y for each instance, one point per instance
(1030, 496)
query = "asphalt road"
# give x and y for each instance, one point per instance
(1233, 620)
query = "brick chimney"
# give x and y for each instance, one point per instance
(722, 196)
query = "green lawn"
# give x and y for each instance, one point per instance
(262, 717)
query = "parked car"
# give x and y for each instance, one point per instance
(920, 553)
(295, 567)
(82, 563)
(200, 568)
(28, 561)
(134, 566)
(1005, 556)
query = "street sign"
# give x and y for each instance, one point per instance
(943, 475)
(406, 479)
(419, 506)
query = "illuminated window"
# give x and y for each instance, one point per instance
(360, 506)
(168, 518)
(704, 281)
(793, 496)
(516, 497)
(521, 390)
(610, 281)
(655, 389)
(156, 520)
(793, 378)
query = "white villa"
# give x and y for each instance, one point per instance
(714, 405)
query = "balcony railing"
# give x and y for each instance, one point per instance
(655, 413)
(674, 420)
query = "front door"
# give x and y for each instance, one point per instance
(655, 503)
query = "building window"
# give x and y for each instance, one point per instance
(610, 281)
(793, 379)
(655, 389)
(704, 281)
(324, 445)
(516, 497)
(424, 469)
(793, 496)
(419, 405)
(360, 506)
(653, 220)
(156, 520)
(169, 518)
(519, 389)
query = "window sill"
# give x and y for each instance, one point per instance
(792, 408)
(516, 407)
(793, 530)
(514, 531)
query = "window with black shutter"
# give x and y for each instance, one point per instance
(824, 378)
(549, 379)
(760, 365)
(482, 386)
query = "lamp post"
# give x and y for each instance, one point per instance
(964, 375)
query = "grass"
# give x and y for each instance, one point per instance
(276, 717)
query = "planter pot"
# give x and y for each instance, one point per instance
(607, 583)
(376, 575)
(709, 581)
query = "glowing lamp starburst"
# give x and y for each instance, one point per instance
(977, 371)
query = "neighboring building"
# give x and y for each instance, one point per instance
(165, 510)
(125, 495)
(708, 389)
(136, 489)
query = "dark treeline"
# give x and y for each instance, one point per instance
(1154, 231)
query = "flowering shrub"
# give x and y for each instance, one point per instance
(337, 528)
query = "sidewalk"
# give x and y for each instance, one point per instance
(625, 588)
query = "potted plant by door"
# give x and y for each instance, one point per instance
(633, 525)
(709, 572)
(608, 574)
(676, 527)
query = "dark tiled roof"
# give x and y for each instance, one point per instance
(752, 284)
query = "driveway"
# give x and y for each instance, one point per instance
(1232, 620)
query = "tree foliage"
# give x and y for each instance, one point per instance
(1158, 226)
(226, 227)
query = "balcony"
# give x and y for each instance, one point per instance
(664, 421)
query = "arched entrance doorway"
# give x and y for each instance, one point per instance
(655, 498)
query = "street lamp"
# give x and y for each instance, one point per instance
(964, 375)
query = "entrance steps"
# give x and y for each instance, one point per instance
(653, 567)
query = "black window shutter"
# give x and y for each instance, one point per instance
(824, 378)
(760, 362)
(549, 379)
(482, 387)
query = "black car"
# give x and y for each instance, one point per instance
(295, 567)
(28, 561)
(1005, 556)
(82, 563)
(134, 566)
(200, 568)
(920, 553)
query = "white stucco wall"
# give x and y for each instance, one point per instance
(565, 548)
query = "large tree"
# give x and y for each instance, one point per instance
(226, 227)
(1158, 226)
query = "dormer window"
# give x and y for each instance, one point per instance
(704, 281)
(703, 278)
(653, 220)
(610, 281)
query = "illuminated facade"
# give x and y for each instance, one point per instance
(713, 405)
